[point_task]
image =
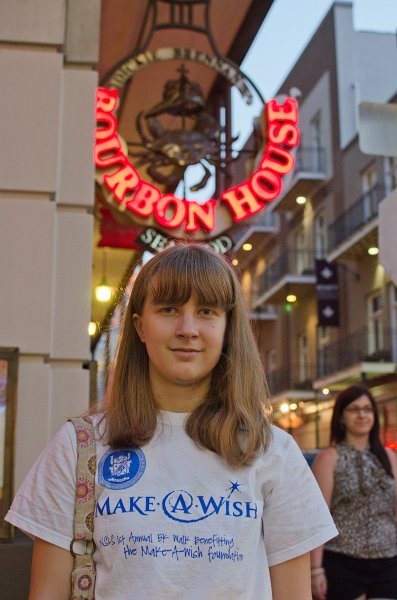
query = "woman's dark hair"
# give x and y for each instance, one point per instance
(338, 431)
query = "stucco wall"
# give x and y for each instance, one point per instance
(46, 210)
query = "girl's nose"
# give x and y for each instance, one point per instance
(187, 326)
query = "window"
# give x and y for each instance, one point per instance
(375, 325)
(322, 342)
(320, 236)
(390, 173)
(271, 374)
(271, 362)
(303, 357)
(302, 258)
(369, 180)
(315, 131)
(316, 143)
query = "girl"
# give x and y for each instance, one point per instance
(197, 496)
(357, 476)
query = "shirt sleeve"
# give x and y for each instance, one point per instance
(296, 518)
(44, 504)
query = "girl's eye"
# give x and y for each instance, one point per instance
(167, 309)
(206, 311)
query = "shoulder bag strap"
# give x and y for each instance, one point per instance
(83, 574)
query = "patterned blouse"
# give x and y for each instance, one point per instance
(363, 506)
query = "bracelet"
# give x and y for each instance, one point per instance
(317, 571)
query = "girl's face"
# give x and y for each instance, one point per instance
(358, 416)
(184, 344)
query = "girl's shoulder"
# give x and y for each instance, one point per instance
(327, 457)
(331, 452)
(278, 438)
(282, 444)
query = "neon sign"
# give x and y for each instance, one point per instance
(143, 199)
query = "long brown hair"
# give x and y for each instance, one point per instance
(338, 431)
(233, 421)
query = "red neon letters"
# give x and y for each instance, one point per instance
(144, 199)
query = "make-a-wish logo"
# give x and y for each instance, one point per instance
(180, 505)
(119, 469)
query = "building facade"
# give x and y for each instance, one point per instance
(328, 210)
(47, 66)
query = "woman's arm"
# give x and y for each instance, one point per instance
(291, 579)
(51, 572)
(393, 461)
(323, 470)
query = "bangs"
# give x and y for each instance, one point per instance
(191, 271)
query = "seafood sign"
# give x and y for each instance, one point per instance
(131, 193)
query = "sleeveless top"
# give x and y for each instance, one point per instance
(363, 506)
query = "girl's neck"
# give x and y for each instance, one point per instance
(360, 442)
(179, 399)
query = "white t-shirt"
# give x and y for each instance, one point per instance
(176, 521)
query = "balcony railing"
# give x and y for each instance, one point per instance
(361, 212)
(310, 160)
(292, 262)
(257, 225)
(296, 377)
(264, 218)
(261, 313)
(364, 345)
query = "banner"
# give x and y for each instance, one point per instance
(115, 234)
(327, 291)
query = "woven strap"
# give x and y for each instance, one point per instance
(83, 575)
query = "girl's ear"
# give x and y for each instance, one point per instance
(138, 326)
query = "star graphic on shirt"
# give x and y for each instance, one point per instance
(234, 487)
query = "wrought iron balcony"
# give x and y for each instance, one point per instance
(354, 227)
(308, 175)
(364, 345)
(310, 160)
(294, 379)
(292, 270)
(263, 313)
(254, 228)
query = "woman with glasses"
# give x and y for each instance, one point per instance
(358, 477)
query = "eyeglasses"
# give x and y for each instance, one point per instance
(355, 410)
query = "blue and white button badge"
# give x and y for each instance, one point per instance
(120, 469)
